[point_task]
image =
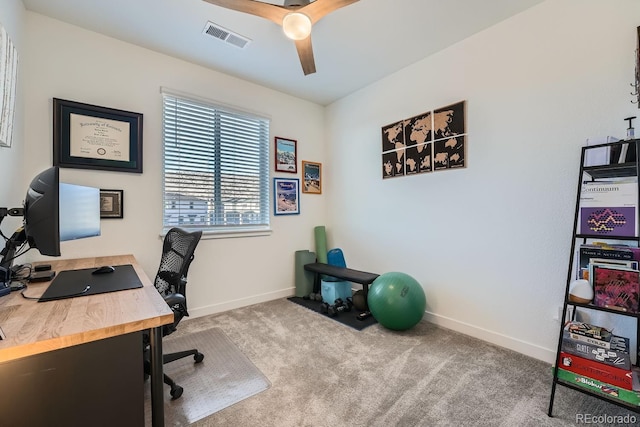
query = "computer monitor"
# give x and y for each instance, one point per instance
(79, 211)
(53, 212)
(42, 213)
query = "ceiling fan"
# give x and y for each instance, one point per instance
(296, 18)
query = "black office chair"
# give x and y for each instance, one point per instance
(177, 253)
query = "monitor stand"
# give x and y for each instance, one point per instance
(8, 254)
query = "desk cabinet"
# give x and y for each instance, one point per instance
(76, 386)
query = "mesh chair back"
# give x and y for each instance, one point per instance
(177, 254)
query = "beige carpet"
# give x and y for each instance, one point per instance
(225, 376)
(326, 374)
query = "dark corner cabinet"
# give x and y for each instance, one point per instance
(602, 234)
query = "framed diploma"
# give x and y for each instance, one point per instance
(91, 137)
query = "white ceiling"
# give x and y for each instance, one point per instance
(353, 46)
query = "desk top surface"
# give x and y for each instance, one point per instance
(31, 327)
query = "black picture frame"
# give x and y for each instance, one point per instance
(111, 203)
(88, 136)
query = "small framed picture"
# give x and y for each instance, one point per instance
(286, 155)
(312, 176)
(111, 203)
(286, 193)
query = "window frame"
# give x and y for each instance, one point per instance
(222, 230)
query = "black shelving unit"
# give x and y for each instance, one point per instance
(630, 168)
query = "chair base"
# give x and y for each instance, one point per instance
(176, 390)
(197, 356)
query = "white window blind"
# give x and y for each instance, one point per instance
(216, 166)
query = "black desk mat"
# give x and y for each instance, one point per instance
(76, 283)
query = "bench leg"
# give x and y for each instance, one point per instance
(316, 283)
(365, 293)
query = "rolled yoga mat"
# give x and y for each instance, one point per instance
(304, 278)
(321, 244)
(336, 257)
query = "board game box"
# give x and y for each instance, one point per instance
(631, 397)
(596, 370)
(617, 355)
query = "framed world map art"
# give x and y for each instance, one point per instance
(431, 141)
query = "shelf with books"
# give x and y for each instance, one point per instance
(597, 236)
(605, 252)
(620, 170)
(591, 306)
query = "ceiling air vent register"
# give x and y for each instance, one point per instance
(221, 33)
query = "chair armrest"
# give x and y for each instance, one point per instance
(173, 299)
(177, 302)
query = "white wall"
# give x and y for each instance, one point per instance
(70, 63)
(490, 243)
(12, 14)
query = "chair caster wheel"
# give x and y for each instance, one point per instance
(198, 357)
(176, 392)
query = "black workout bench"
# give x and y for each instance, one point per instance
(356, 276)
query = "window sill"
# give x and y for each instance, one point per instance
(229, 234)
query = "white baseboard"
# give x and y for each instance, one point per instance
(242, 302)
(501, 340)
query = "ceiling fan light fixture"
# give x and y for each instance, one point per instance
(296, 26)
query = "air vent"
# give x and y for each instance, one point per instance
(235, 39)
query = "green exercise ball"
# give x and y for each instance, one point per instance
(397, 301)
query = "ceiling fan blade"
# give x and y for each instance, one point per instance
(315, 10)
(268, 11)
(305, 52)
(319, 8)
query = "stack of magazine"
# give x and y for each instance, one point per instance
(612, 271)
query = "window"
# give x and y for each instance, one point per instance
(216, 167)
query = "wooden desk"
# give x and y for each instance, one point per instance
(61, 329)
